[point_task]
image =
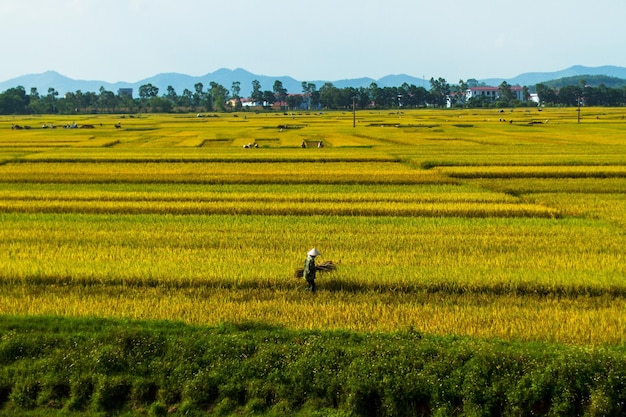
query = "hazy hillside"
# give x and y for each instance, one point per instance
(532, 78)
(226, 77)
(590, 80)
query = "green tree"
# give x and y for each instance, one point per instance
(328, 95)
(126, 102)
(161, 105)
(362, 98)
(389, 97)
(459, 96)
(480, 101)
(568, 95)
(332, 97)
(79, 100)
(439, 91)
(148, 91)
(108, 100)
(199, 94)
(186, 99)
(268, 98)
(34, 94)
(505, 94)
(35, 103)
(219, 95)
(546, 94)
(376, 94)
(51, 100)
(280, 92)
(311, 98)
(294, 101)
(14, 101)
(90, 100)
(525, 94)
(235, 90)
(256, 95)
(70, 103)
(171, 94)
(415, 96)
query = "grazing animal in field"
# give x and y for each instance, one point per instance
(118, 125)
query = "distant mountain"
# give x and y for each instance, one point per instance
(590, 80)
(226, 77)
(223, 76)
(532, 78)
(354, 82)
(398, 80)
(180, 82)
(61, 83)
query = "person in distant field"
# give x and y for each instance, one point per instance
(303, 144)
(320, 144)
(309, 269)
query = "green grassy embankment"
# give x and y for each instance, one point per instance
(60, 366)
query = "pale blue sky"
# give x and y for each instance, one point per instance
(129, 40)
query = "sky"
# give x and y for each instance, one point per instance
(130, 40)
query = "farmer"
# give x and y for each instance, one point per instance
(309, 269)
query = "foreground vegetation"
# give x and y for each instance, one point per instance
(457, 234)
(61, 367)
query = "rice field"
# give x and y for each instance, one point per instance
(478, 223)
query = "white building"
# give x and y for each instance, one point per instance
(492, 93)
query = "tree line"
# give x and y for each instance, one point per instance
(581, 94)
(218, 98)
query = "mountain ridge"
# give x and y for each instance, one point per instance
(224, 76)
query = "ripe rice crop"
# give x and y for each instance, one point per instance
(519, 186)
(402, 200)
(582, 321)
(236, 207)
(537, 172)
(218, 173)
(426, 244)
(449, 222)
(479, 278)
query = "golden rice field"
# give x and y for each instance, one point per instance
(463, 222)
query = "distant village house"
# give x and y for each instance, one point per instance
(492, 92)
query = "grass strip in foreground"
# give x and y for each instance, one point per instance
(56, 366)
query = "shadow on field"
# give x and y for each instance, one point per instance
(536, 290)
(326, 284)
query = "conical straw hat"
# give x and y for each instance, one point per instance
(314, 252)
